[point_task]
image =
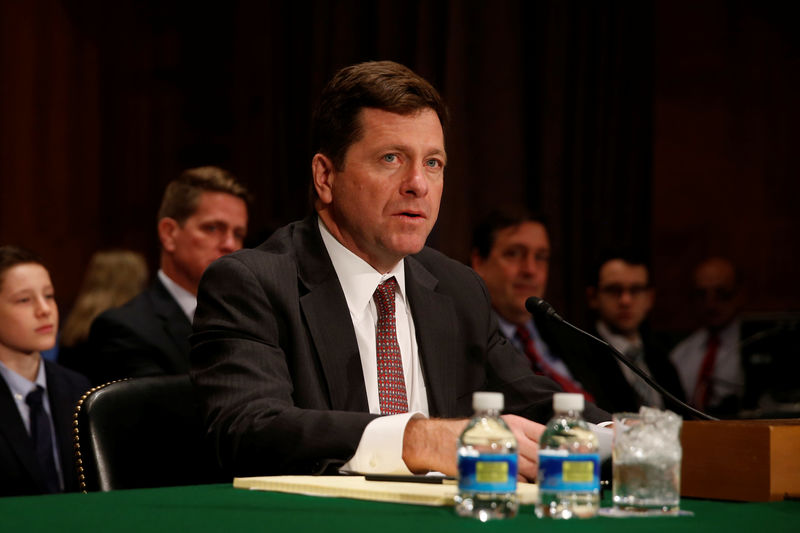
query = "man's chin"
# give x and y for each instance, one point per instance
(623, 329)
(408, 246)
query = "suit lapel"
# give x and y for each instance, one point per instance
(176, 326)
(17, 436)
(325, 310)
(435, 325)
(61, 406)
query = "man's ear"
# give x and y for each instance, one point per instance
(591, 297)
(323, 173)
(167, 233)
(475, 260)
(650, 298)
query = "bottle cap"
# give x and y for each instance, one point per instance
(568, 401)
(482, 401)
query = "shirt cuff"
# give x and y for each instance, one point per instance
(380, 450)
(605, 438)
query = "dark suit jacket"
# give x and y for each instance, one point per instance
(656, 355)
(591, 365)
(145, 337)
(276, 364)
(20, 472)
(598, 371)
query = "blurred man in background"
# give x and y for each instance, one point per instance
(511, 252)
(622, 296)
(203, 216)
(709, 362)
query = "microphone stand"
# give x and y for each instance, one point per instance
(537, 306)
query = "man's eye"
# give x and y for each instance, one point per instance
(210, 227)
(433, 163)
(390, 158)
(23, 300)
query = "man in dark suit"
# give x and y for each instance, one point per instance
(302, 344)
(203, 216)
(622, 296)
(511, 252)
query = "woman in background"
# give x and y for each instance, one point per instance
(37, 397)
(112, 278)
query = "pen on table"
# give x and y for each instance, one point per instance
(409, 479)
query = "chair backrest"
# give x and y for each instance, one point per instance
(141, 432)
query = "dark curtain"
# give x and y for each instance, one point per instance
(595, 138)
(552, 107)
(550, 102)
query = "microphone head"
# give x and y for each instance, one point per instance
(538, 307)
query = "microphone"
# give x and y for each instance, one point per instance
(541, 309)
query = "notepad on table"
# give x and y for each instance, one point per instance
(357, 487)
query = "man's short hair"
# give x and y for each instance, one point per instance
(485, 233)
(182, 195)
(382, 85)
(631, 256)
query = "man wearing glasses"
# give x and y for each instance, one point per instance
(621, 295)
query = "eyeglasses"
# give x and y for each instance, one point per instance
(617, 291)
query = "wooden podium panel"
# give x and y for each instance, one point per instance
(742, 460)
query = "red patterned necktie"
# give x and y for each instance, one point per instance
(702, 392)
(391, 382)
(541, 367)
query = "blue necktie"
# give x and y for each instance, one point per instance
(42, 438)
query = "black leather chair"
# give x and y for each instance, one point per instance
(141, 432)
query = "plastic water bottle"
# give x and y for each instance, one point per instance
(487, 462)
(569, 463)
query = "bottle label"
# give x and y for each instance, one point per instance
(562, 471)
(488, 473)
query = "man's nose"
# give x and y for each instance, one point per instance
(626, 297)
(530, 265)
(230, 243)
(415, 182)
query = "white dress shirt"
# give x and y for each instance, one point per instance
(380, 449)
(728, 375)
(381, 445)
(185, 299)
(20, 386)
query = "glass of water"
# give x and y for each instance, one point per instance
(647, 461)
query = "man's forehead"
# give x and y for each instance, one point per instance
(379, 123)
(527, 233)
(618, 270)
(220, 208)
(219, 200)
(715, 274)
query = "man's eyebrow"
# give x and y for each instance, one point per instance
(439, 152)
(407, 148)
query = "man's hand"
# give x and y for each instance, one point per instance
(527, 434)
(432, 445)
